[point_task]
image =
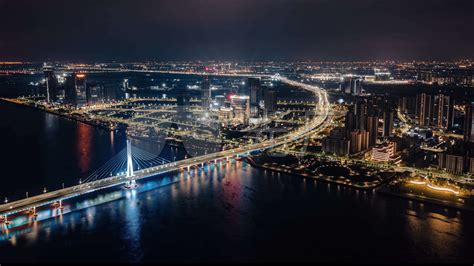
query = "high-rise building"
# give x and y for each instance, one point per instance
(51, 84)
(407, 104)
(70, 90)
(387, 123)
(352, 85)
(361, 113)
(220, 100)
(241, 109)
(359, 141)
(113, 93)
(80, 86)
(442, 115)
(471, 165)
(468, 131)
(126, 89)
(452, 163)
(336, 142)
(206, 94)
(373, 128)
(256, 95)
(350, 122)
(423, 108)
(434, 110)
(270, 102)
(255, 90)
(94, 94)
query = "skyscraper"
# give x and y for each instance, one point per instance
(94, 94)
(80, 85)
(70, 90)
(256, 95)
(435, 110)
(372, 127)
(359, 141)
(270, 102)
(469, 124)
(423, 108)
(444, 116)
(51, 84)
(361, 114)
(350, 122)
(241, 109)
(352, 85)
(206, 94)
(387, 123)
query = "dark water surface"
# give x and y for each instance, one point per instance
(230, 212)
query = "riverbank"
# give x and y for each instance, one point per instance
(423, 199)
(326, 179)
(73, 117)
(381, 188)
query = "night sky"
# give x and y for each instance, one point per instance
(89, 30)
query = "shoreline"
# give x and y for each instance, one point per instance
(366, 188)
(433, 201)
(379, 189)
(67, 116)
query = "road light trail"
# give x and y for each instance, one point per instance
(319, 121)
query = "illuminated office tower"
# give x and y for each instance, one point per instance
(80, 85)
(270, 102)
(94, 94)
(256, 95)
(361, 114)
(206, 94)
(241, 109)
(51, 84)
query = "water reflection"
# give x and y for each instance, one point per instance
(83, 146)
(132, 229)
(237, 208)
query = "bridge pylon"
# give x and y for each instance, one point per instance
(130, 174)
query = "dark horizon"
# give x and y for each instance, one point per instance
(237, 30)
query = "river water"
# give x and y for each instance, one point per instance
(230, 212)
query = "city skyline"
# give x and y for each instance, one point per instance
(236, 30)
(236, 131)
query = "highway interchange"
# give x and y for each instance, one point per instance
(318, 122)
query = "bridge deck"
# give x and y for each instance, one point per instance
(81, 189)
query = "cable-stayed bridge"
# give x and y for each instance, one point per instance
(132, 163)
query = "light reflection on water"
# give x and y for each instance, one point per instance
(236, 209)
(20, 224)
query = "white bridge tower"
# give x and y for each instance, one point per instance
(130, 175)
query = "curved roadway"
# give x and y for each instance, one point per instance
(318, 122)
